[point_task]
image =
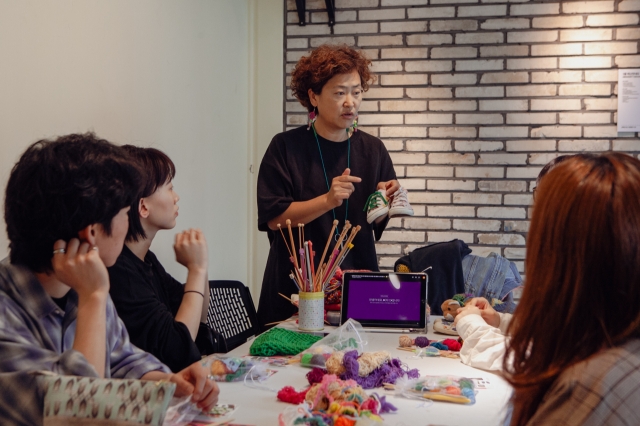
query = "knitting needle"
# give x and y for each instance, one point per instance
(293, 247)
(312, 265)
(354, 231)
(347, 225)
(338, 262)
(346, 249)
(285, 240)
(293, 278)
(280, 322)
(326, 247)
(289, 299)
(308, 262)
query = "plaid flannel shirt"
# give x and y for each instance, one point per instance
(35, 334)
(603, 390)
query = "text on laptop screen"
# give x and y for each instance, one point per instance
(385, 300)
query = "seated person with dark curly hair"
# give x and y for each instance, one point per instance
(66, 210)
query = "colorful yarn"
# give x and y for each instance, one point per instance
(335, 402)
(315, 375)
(439, 345)
(421, 342)
(388, 372)
(407, 342)
(453, 345)
(279, 341)
(369, 361)
(334, 363)
(289, 394)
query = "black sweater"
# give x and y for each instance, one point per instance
(147, 299)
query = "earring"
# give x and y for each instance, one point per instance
(354, 126)
(312, 117)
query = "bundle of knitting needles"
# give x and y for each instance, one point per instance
(304, 274)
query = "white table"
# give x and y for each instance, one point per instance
(261, 407)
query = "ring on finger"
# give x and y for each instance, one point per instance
(210, 377)
(59, 251)
(94, 248)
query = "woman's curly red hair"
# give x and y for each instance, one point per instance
(313, 71)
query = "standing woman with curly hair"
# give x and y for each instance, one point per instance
(573, 357)
(315, 174)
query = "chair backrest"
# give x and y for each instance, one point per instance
(232, 312)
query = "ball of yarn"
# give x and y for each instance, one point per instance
(289, 394)
(452, 344)
(405, 341)
(439, 345)
(306, 359)
(422, 342)
(315, 375)
(317, 360)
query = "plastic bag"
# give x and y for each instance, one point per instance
(347, 337)
(459, 390)
(222, 369)
(233, 369)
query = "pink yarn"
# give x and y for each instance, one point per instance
(453, 345)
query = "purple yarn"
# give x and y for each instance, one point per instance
(385, 407)
(388, 372)
(422, 342)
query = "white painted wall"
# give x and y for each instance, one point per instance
(162, 73)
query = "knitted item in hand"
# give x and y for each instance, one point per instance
(279, 341)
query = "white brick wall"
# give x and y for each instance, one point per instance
(474, 97)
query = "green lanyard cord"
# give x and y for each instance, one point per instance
(326, 178)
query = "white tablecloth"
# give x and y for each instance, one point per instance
(261, 407)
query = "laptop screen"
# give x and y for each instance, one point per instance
(377, 299)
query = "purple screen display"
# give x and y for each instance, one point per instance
(380, 300)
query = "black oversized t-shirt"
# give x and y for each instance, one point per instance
(147, 299)
(292, 170)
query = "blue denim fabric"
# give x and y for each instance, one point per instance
(491, 277)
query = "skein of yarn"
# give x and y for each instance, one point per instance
(407, 342)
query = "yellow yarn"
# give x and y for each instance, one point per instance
(369, 361)
(406, 341)
(334, 363)
(402, 268)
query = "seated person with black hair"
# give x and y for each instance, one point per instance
(162, 316)
(66, 210)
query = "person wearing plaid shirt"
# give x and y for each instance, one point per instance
(573, 352)
(66, 210)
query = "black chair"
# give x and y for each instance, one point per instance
(232, 312)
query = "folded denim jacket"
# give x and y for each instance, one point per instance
(491, 277)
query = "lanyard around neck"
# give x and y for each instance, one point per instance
(326, 178)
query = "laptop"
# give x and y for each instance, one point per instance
(385, 301)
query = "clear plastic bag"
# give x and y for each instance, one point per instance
(347, 337)
(459, 390)
(234, 369)
(222, 369)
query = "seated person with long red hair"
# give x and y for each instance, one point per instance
(573, 351)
